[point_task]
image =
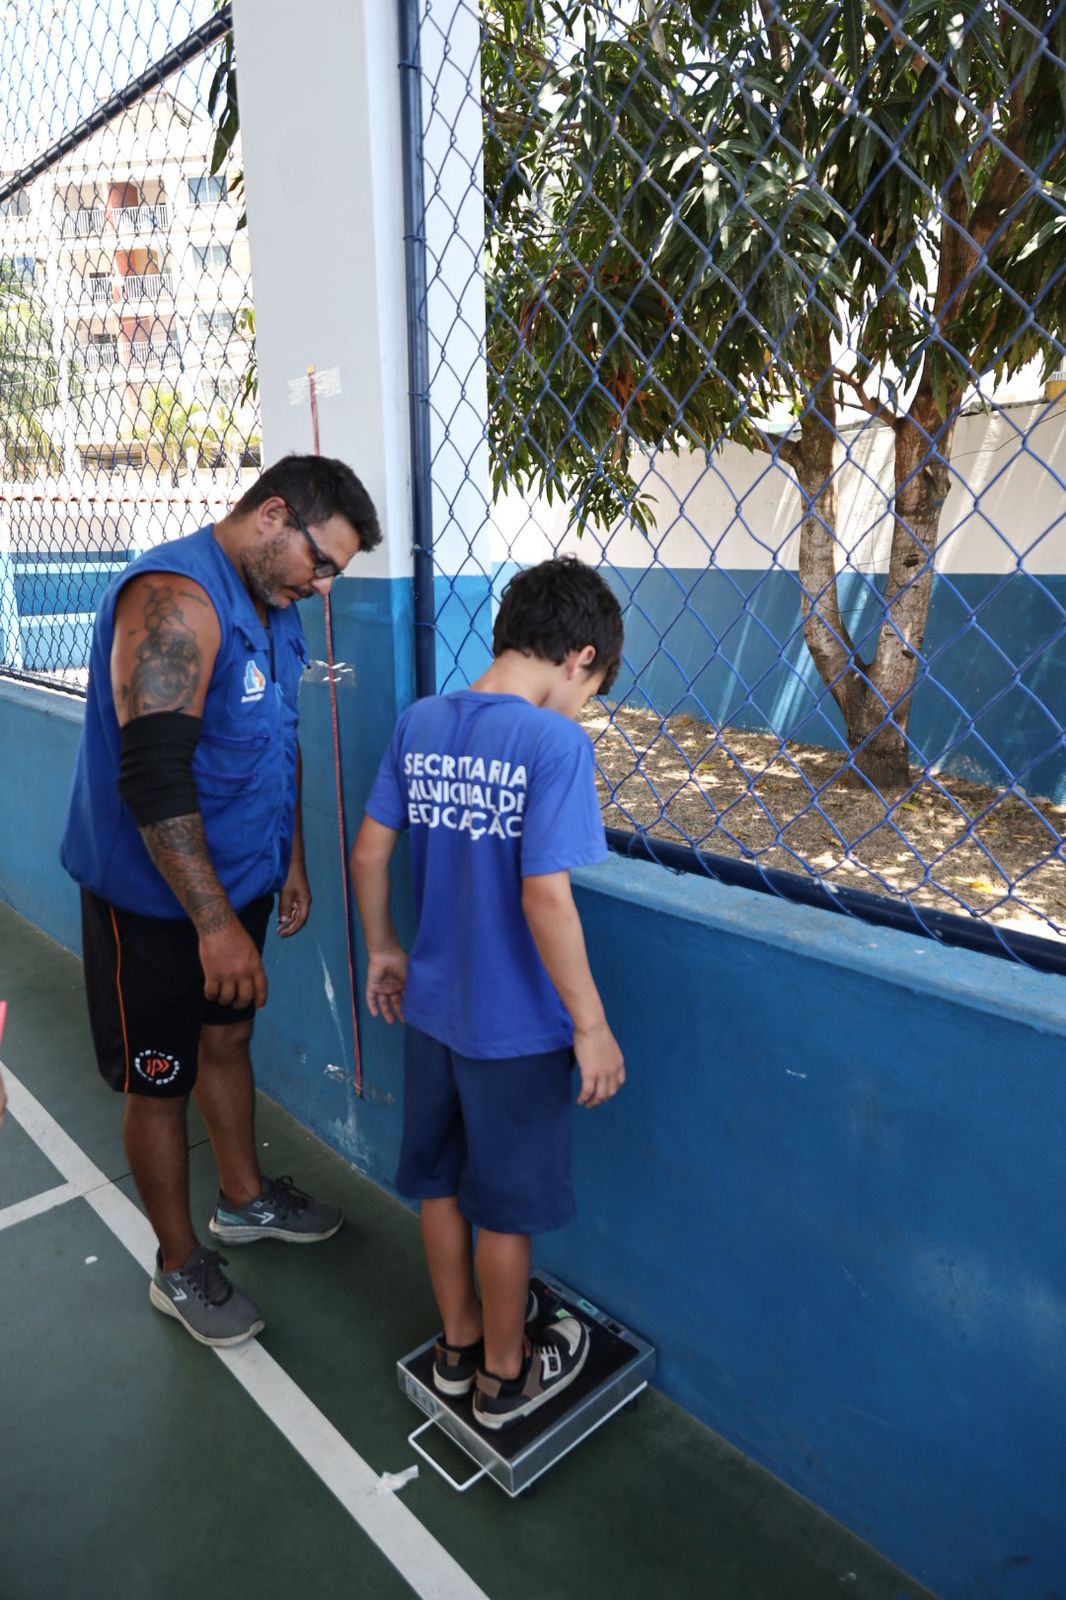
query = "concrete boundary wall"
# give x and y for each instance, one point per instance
(829, 1191)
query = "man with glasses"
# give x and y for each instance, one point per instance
(183, 826)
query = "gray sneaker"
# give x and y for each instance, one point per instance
(281, 1212)
(554, 1360)
(201, 1297)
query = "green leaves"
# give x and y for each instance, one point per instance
(224, 111)
(28, 378)
(673, 243)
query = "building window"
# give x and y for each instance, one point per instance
(211, 257)
(223, 390)
(207, 190)
(22, 268)
(214, 322)
(17, 206)
(111, 457)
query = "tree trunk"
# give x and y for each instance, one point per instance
(845, 676)
(874, 697)
(827, 639)
(922, 481)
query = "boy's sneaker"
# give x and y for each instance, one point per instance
(455, 1365)
(203, 1300)
(281, 1212)
(553, 1362)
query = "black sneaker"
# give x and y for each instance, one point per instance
(552, 1364)
(455, 1365)
(282, 1211)
(200, 1296)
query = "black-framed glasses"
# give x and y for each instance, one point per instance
(323, 567)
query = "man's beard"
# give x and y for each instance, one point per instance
(263, 568)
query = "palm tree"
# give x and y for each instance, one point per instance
(28, 376)
(171, 426)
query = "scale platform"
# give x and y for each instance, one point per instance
(618, 1367)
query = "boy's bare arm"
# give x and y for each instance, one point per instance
(386, 975)
(548, 904)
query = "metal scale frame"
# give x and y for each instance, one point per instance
(618, 1367)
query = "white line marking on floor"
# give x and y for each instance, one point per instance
(37, 1204)
(413, 1551)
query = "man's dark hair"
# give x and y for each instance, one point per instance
(317, 488)
(560, 606)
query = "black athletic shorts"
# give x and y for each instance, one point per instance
(145, 987)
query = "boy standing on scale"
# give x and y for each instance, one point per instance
(496, 785)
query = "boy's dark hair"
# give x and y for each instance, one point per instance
(317, 488)
(559, 606)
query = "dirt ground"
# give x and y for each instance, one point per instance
(949, 843)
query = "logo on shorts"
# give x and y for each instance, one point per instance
(254, 683)
(156, 1067)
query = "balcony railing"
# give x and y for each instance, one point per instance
(150, 353)
(141, 219)
(88, 220)
(80, 224)
(143, 355)
(148, 286)
(135, 286)
(96, 357)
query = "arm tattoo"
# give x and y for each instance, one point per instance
(168, 661)
(179, 850)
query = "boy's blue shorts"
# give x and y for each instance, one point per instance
(496, 1134)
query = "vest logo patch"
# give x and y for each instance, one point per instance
(254, 683)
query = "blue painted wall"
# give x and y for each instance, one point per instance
(829, 1192)
(825, 1195)
(727, 647)
(39, 733)
(48, 600)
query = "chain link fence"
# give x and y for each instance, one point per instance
(759, 307)
(128, 397)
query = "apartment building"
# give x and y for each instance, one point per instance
(141, 279)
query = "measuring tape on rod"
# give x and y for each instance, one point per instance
(300, 389)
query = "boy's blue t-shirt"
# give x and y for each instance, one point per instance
(493, 790)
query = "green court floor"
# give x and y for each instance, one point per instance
(136, 1463)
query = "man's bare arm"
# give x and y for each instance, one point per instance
(165, 644)
(178, 848)
(166, 641)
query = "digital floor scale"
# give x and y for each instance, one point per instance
(618, 1367)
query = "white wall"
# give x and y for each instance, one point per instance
(455, 290)
(739, 509)
(320, 124)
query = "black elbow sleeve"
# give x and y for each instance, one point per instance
(155, 776)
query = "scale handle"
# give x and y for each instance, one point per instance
(460, 1488)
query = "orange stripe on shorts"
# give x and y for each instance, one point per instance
(121, 1007)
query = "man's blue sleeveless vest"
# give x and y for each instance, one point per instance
(245, 763)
